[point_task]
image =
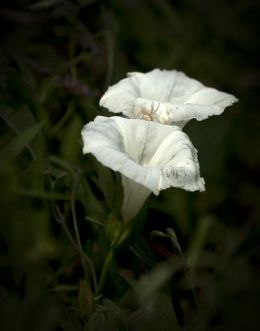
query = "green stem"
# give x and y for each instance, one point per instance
(109, 258)
(115, 243)
(104, 271)
(78, 241)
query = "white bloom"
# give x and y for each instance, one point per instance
(165, 96)
(150, 157)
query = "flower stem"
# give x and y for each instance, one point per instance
(104, 271)
(110, 255)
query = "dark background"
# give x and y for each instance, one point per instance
(56, 60)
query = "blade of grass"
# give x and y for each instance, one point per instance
(60, 218)
(15, 147)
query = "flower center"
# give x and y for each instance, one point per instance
(150, 110)
(147, 112)
(147, 115)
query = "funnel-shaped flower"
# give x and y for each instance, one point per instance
(167, 97)
(150, 157)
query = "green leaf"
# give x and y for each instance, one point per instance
(95, 208)
(113, 228)
(25, 94)
(199, 239)
(96, 322)
(107, 317)
(63, 288)
(62, 164)
(173, 237)
(157, 233)
(94, 221)
(155, 280)
(115, 316)
(83, 3)
(41, 194)
(45, 4)
(19, 121)
(143, 252)
(15, 147)
(86, 299)
(156, 314)
(107, 183)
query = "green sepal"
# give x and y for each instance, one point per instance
(113, 228)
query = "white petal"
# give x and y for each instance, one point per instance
(168, 97)
(134, 197)
(153, 155)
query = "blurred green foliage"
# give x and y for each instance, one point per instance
(57, 57)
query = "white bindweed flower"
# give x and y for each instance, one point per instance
(165, 96)
(150, 157)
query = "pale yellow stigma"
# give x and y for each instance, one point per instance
(147, 117)
(147, 114)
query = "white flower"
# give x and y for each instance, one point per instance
(165, 96)
(150, 157)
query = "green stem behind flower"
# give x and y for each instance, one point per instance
(104, 272)
(121, 237)
(117, 239)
